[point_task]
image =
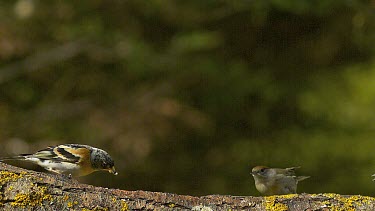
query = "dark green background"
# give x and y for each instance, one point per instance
(188, 96)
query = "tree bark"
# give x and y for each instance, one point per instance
(28, 190)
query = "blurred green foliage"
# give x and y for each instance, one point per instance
(188, 96)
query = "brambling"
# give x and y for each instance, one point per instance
(276, 181)
(71, 159)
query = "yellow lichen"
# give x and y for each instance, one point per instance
(66, 197)
(124, 206)
(271, 203)
(350, 203)
(6, 176)
(1, 199)
(289, 196)
(171, 205)
(114, 199)
(69, 204)
(35, 198)
(95, 209)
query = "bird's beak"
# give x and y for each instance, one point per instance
(113, 171)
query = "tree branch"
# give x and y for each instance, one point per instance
(28, 190)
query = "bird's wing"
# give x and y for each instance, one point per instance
(293, 168)
(64, 153)
(289, 184)
(286, 171)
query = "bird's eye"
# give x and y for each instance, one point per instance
(262, 170)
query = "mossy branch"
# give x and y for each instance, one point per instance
(28, 190)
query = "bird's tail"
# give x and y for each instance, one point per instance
(16, 157)
(300, 178)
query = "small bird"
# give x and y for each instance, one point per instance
(276, 181)
(71, 159)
